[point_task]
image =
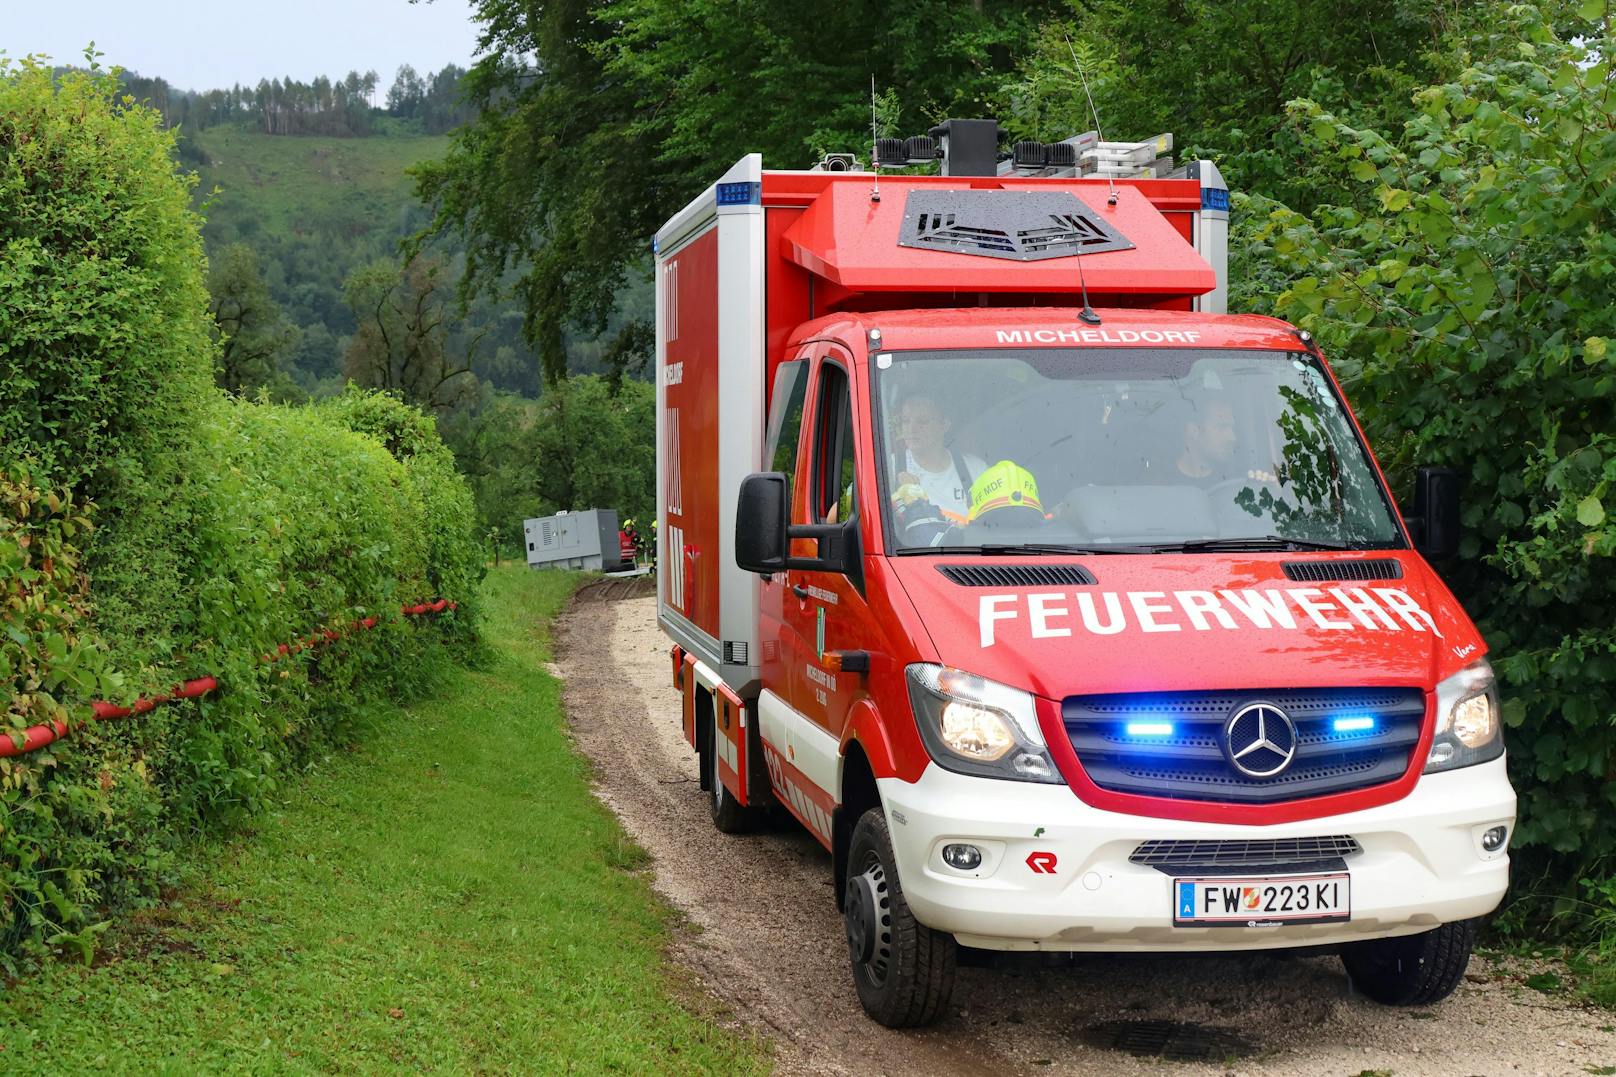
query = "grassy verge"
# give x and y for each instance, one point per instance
(446, 895)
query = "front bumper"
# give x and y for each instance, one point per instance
(1422, 864)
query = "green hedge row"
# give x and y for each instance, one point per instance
(223, 528)
(1463, 290)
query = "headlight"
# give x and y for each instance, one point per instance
(976, 726)
(1468, 727)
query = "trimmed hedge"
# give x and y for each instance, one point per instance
(224, 527)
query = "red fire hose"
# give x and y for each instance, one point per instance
(37, 736)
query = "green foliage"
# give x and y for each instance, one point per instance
(253, 336)
(105, 353)
(445, 881)
(1466, 297)
(447, 513)
(595, 446)
(587, 443)
(638, 105)
(401, 343)
(225, 528)
(1219, 73)
(67, 809)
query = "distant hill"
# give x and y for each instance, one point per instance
(315, 208)
(352, 188)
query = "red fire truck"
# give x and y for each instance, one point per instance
(1061, 626)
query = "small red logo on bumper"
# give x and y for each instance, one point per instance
(1041, 863)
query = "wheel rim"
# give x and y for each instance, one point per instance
(869, 923)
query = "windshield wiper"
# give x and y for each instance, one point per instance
(1255, 542)
(1000, 549)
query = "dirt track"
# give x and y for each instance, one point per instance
(769, 941)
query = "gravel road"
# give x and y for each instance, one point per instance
(767, 941)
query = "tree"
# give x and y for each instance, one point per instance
(401, 340)
(594, 123)
(404, 97)
(1465, 295)
(1219, 73)
(254, 336)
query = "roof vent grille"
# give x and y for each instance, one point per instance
(1381, 568)
(1022, 226)
(1018, 575)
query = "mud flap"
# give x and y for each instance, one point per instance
(729, 741)
(688, 684)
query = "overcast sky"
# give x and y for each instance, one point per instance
(205, 44)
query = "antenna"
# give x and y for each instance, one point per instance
(1111, 180)
(1086, 315)
(875, 137)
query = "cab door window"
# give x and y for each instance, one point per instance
(835, 473)
(785, 421)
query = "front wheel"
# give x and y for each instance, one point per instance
(904, 971)
(1415, 970)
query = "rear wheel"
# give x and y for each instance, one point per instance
(729, 815)
(904, 971)
(1415, 970)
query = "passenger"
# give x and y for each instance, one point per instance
(1209, 443)
(931, 481)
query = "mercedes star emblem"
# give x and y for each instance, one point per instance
(1260, 740)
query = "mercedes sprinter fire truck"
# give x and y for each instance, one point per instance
(1066, 610)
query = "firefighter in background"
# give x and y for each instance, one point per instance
(628, 536)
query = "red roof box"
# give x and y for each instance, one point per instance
(993, 236)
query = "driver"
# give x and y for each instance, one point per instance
(932, 482)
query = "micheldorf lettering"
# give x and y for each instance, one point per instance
(1052, 614)
(1097, 336)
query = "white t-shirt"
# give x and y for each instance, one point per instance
(943, 487)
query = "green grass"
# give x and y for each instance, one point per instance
(351, 189)
(447, 895)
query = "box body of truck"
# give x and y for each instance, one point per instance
(1137, 655)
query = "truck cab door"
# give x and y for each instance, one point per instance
(827, 610)
(783, 439)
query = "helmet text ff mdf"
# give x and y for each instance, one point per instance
(1005, 485)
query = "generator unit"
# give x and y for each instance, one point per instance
(585, 540)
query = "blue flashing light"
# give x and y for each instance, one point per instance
(1214, 198)
(740, 194)
(1149, 729)
(1356, 724)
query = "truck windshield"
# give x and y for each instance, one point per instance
(1122, 450)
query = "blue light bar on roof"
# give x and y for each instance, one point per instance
(740, 194)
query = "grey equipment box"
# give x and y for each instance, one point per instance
(581, 540)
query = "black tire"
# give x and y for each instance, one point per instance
(730, 816)
(1415, 970)
(904, 971)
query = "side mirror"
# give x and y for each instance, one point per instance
(761, 544)
(763, 532)
(1435, 521)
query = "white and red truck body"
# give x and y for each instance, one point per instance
(794, 684)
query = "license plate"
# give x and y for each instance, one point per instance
(1266, 902)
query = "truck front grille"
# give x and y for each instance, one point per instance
(1265, 853)
(1346, 738)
